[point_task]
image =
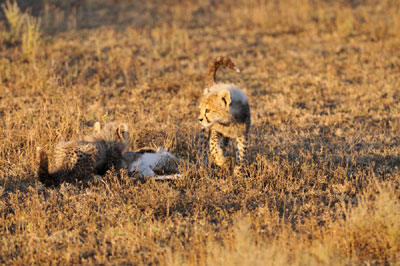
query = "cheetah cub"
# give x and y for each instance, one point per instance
(81, 160)
(225, 112)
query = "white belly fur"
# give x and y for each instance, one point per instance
(148, 162)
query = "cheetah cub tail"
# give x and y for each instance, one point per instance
(43, 170)
(213, 67)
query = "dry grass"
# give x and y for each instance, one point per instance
(324, 87)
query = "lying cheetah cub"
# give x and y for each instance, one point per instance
(82, 159)
(225, 111)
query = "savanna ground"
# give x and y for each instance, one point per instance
(323, 81)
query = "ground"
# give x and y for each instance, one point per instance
(323, 82)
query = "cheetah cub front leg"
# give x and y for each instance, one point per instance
(216, 150)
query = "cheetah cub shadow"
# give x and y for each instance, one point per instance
(81, 160)
(225, 114)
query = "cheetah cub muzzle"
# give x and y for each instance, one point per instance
(225, 112)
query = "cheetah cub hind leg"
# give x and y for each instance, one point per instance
(241, 143)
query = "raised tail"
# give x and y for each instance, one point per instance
(43, 171)
(215, 64)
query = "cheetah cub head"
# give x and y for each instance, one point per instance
(112, 131)
(214, 108)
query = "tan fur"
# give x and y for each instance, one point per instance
(224, 110)
(80, 160)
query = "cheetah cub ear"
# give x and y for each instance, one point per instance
(123, 132)
(225, 96)
(97, 127)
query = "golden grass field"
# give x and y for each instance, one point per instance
(323, 81)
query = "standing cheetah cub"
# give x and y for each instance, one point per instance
(225, 111)
(81, 160)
